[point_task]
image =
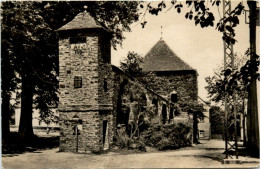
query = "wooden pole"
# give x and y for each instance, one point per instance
(76, 132)
(253, 124)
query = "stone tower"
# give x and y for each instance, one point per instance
(85, 86)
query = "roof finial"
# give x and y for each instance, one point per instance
(161, 33)
(85, 10)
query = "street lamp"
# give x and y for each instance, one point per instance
(76, 120)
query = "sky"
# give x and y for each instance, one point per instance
(201, 48)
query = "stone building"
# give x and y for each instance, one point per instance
(96, 97)
(85, 84)
(176, 75)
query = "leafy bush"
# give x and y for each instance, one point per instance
(122, 139)
(163, 137)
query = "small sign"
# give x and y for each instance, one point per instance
(79, 127)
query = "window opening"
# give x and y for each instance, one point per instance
(76, 40)
(164, 114)
(105, 85)
(174, 98)
(77, 82)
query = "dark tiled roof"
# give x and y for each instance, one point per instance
(82, 21)
(162, 58)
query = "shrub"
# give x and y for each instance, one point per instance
(122, 139)
(163, 137)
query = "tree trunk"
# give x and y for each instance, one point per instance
(25, 127)
(5, 115)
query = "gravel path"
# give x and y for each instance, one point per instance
(205, 155)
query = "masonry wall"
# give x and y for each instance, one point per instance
(105, 80)
(84, 65)
(92, 103)
(90, 138)
(183, 82)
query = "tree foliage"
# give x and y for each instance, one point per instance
(131, 64)
(224, 83)
(201, 14)
(217, 117)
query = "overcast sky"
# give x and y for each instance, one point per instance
(201, 48)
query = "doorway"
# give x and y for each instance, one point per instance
(105, 135)
(164, 114)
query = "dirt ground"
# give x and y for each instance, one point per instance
(208, 154)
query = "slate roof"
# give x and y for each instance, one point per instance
(162, 58)
(82, 21)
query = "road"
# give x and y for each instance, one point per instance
(208, 154)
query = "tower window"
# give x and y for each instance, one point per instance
(174, 97)
(75, 40)
(77, 82)
(105, 85)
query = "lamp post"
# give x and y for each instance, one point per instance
(76, 119)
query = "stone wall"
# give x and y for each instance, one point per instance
(73, 64)
(183, 82)
(90, 138)
(86, 56)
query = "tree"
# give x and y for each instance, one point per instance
(224, 83)
(28, 29)
(216, 82)
(131, 64)
(217, 117)
(26, 33)
(9, 77)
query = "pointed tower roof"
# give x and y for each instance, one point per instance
(82, 21)
(162, 58)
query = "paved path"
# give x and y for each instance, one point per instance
(205, 155)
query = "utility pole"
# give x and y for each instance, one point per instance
(252, 116)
